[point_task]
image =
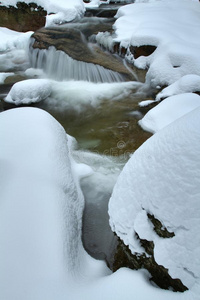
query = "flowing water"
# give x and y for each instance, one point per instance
(103, 119)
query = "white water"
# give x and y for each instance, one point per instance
(60, 66)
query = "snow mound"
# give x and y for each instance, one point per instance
(41, 210)
(173, 27)
(162, 179)
(168, 111)
(187, 84)
(11, 39)
(29, 91)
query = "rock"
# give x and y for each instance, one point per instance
(124, 258)
(24, 17)
(71, 41)
(145, 50)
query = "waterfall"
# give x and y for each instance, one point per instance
(60, 66)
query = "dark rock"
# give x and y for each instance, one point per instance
(145, 50)
(24, 17)
(159, 229)
(124, 258)
(101, 13)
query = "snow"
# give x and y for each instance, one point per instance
(29, 91)
(4, 75)
(40, 220)
(168, 111)
(162, 179)
(93, 4)
(64, 10)
(11, 39)
(41, 203)
(41, 210)
(186, 84)
(13, 49)
(173, 27)
(77, 95)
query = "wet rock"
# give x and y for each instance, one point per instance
(101, 13)
(74, 43)
(23, 18)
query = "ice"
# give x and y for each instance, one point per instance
(162, 179)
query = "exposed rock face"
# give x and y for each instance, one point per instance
(124, 258)
(145, 50)
(24, 17)
(72, 42)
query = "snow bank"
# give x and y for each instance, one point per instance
(168, 111)
(173, 27)
(29, 91)
(162, 179)
(64, 10)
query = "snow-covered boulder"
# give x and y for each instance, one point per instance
(162, 24)
(187, 84)
(63, 10)
(160, 183)
(29, 91)
(41, 208)
(168, 111)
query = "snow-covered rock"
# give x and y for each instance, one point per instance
(29, 91)
(63, 10)
(13, 49)
(168, 111)
(11, 39)
(168, 25)
(162, 179)
(187, 84)
(41, 206)
(41, 210)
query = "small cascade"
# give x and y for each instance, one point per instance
(60, 66)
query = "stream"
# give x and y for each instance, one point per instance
(100, 111)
